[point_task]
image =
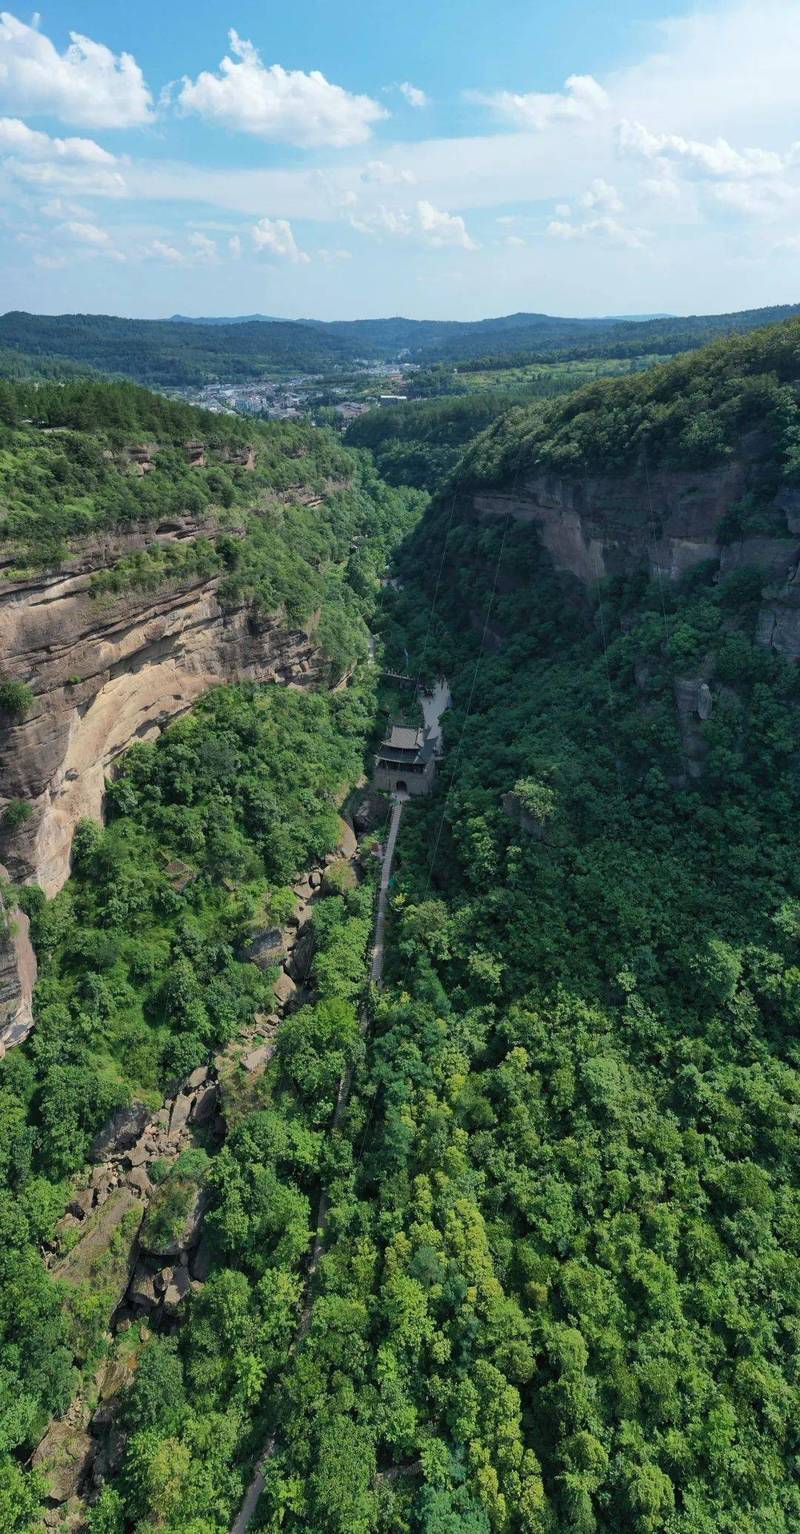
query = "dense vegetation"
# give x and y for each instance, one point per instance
(559, 1290)
(144, 975)
(68, 471)
(684, 414)
(168, 352)
(178, 352)
(420, 443)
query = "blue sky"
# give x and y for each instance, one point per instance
(454, 158)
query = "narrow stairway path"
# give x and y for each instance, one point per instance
(254, 1490)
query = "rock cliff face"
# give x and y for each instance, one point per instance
(105, 673)
(665, 522)
(17, 978)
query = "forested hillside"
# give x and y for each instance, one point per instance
(689, 413)
(83, 459)
(164, 352)
(180, 352)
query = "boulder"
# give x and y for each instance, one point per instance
(177, 1289)
(267, 948)
(284, 988)
(103, 1179)
(139, 1180)
(196, 1079)
(120, 1133)
(81, 1203)
(105, 1252)
(63, 1459)
(181, 1108)
(142, 1291)
(315, 879)
(304, 951)
(139, 1154)
(205, 1103)
(256, 1059)
(200, 1261)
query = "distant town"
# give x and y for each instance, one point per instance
(305, 395)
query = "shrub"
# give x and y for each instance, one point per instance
(15, 814)
(15, 699)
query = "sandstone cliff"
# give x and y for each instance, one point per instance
(667, 522)
(105, 673)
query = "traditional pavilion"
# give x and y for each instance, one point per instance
(406, 761)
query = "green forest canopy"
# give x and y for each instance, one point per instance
(178, 352)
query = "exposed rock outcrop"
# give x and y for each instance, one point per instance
(17, 976)
(666, 522)
(613, 524)
(107, 672)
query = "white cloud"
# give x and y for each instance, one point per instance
(582, 99)
(205, 249)
(605, 228)
(443, 228)
(56, 207)
(86, 234)
(164, 252)
(50, 263)
(378, 173)
(602, 195)
(275, 236)
(754, 198)
(414, 96)
(715, 159)
(389, 221)
(330, 256)
(91, 239)
(87, 84)
(74, 164)
(277, 103)
(235, 246)
(17, 138)
(431, 225)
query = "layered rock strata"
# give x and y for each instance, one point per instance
(105, 672)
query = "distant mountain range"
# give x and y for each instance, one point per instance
(183, 351)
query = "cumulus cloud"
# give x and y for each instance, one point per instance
(164, 252)
(17, 138)
(276, 237)
(431, 225)
(73, 164)
(602, 195)
(235, 246)
(204, 249)
(442, 228)
(414, 96)
(87, 85)
(582, 99)
(714, 159)
(605, 228)
(277, 103)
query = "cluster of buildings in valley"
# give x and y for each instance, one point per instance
(287, 399)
